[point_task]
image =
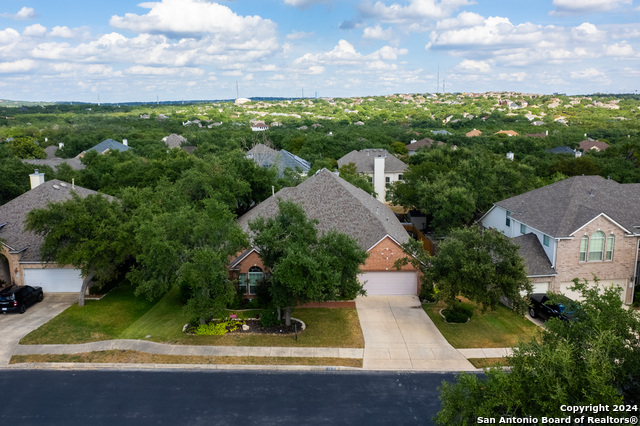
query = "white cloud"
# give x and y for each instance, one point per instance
(464, 19)
(304, 4)
(35, 30)
(23, 14)
(22, 65)
(587, 32)
(345, 54)
(416, 11)
(9, 36)
(515, 76)
(590, 74)
(620, 50)
(377, 33)
(570, 7)
(469, 65)
(69, 33)
(297, 35)
(163, 71)
(388, 53)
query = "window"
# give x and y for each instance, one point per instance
(596, 248)
(584, 243)
(523, 228)
(545, 240)
(255, 274)
(610, 242)
(387, 179)
(242, 283)
(400, 176)
(508, 222)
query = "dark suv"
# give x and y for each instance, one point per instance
(540, 306)
(17, 298)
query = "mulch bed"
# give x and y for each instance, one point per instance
(256, 328)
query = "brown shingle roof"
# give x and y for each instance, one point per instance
(15, 212)
(337, 205)
(422, 142)
(364, 160)
(562, 208)
(587, 145)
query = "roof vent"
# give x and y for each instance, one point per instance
(62, 184)
(56, 187)
(591, 193)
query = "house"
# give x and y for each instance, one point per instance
(174, 140)
(339, 206)
(379, 165)
(506, 132)
(259, 126)
(564, 150)
(590, 144)
(53, 161)
(441, 132)
(268, 157)
(106, 146)
(473, 133)
(415, 145)
(20, 259)
(576, 228)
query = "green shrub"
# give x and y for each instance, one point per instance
(458, 313)
(428, 293)
(269, 317)
(218, 328)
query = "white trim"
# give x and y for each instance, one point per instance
(602, 214)
(380, 240)
(11, 249)
(541, 276)
(240, 259)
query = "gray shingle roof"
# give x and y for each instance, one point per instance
(562, 208)
(561, 150)
(74, 163)
(15, 212)
(337, 205)
(109, 144)
(536, 261)
(364, 160)
(421, 143)
(267, 157)
(174, 140)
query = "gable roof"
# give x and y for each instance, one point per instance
(174, 140)
(364, 161)
(109, 144)
(474, 132)
(422, 142)
(563, 207)
(536, 262)
(561, 150)
(337, 205)
(589, 144)
(267, 157)
(15, 212)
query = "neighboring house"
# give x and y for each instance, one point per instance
(590, 144)
(339, 206)
(441, 132)
(473, 133)
(174, 140)
(259, 126)
(20, 259)
(414, 146)
(379, 165)
(576, 228)
(506, 132)
(564, 150)
(53, 161)
(538, 135)
(268, 157)
(106, 146)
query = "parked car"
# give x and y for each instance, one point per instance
(17, 298)
(541, 307)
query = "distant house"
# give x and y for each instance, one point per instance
(441, 132)
(174, 140)
(580, 227)
(538, 135)
(338, 206)
(106, 146)
(54, 162)
(590, 144)
(473, 133)
(564, 150)
(414, 146)
(20, 258)
(378, 165)
(506, 132)
(259, 126)
(267, 157)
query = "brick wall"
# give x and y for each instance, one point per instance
(383, 255)
(622, 266)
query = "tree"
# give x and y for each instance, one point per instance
(305, 267)
(482, 265)
(89, 233)
(349, 172)
(594, 359)
(23, 147)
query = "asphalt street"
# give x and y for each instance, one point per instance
(47, 397)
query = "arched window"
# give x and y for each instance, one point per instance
(584, 243)
(596, 248)
(610, 243)
(255, 275)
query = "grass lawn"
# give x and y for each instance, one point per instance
(489, 362)
(135, 357)
(493, 329)
(119, 315)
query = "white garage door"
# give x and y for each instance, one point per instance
(537, 288)
(574, 295)
(389, 283)
(54, 280)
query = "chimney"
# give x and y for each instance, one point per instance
(125, 142)
(510, 156)
(546, 133)
(61, 145)
(36, 179)
(379, 184)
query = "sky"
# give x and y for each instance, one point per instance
(171, 50)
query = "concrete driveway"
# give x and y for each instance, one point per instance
(14, 326)
(398, 334)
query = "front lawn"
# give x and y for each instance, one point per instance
(493, 329)
(120, 315)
